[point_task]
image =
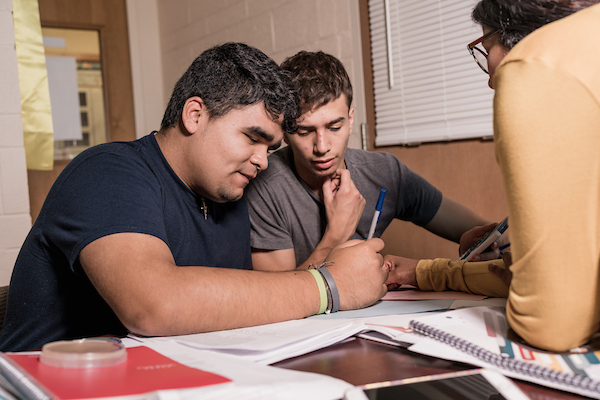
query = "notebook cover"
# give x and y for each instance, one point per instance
(144, 371)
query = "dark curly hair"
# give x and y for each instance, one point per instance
(516, 19)
(319, 78)
(234, 75)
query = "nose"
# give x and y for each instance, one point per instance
(259, 159)
(322, 144)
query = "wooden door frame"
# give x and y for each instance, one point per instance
(109, 18)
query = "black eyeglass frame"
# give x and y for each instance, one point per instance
(471, 47)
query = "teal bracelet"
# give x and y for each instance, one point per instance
(322, 290)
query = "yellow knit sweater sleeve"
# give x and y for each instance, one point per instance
(471, 277)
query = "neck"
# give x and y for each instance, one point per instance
(171, 142)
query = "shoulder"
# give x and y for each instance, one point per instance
(562, 44)
(357, 156)
(127, 151)
(367, 162)
(111, 165)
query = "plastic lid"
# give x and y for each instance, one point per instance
(84, 353)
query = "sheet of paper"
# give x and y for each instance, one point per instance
(267, 344)
(389, 308)
(488, 302)
(249, 380)
(392, 329)
(414, 294)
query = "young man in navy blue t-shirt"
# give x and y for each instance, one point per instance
(150, 237)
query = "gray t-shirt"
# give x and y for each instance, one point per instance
(285, 213)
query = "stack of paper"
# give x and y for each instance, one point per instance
(385, 321)
(267, 344)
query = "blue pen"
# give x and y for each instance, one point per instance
(503, 247)
(378, 209)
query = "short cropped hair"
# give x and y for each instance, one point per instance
(319, 78)
(231, 76)
(516, 19)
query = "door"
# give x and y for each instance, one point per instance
(109, 19)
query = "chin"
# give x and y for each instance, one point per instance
(230, 197)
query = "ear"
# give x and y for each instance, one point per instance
(193, 114)
(285, 138)
(351, 117)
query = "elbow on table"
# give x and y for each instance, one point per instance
(550, 332)
(151, 320)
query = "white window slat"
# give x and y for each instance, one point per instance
(439, 93)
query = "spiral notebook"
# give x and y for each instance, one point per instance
(576, 372)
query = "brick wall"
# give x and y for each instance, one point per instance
(15, 220)
(280, 28)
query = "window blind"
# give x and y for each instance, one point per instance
(427, 86)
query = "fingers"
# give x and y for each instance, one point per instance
(376, 244)
(507, 258)
(504, 274)
(388, 264)
(383, 291)
(328, 190)
(488, 255)
(341, 181)
(351, 242)
(483, 229)
(474, 234)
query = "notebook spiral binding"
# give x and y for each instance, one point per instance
(510, 364)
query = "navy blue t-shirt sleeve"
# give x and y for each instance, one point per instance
(102, 194)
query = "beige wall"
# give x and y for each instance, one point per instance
(146, 65)
(14, 199)
(280, 28)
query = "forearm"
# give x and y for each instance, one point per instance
(138, 278)
(285, 259)
(470, 277)
(320, 253)
(453, 219)
(201, 299)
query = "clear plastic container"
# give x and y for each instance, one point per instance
(84, 353)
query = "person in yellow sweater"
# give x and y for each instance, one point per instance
(547, 136)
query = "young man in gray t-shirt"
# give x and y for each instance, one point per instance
(313, 195)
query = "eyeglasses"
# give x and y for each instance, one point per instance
(480, 54)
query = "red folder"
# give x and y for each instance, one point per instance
(144, 371)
